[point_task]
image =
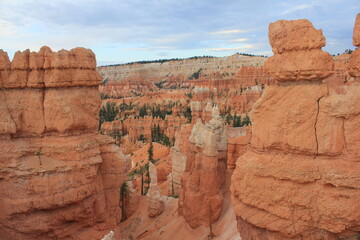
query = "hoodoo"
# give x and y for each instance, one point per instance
(201, 196)
(59, 179)
(299, 178)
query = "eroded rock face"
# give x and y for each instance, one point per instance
(297, 179)
(155, 204)
(354, 65)
(59, 177)
(109, 236)
(178, 160)
(297, 52)
(356, 35)
(201, 198)
(237, 146)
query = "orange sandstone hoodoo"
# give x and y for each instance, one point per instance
(201, 196)
(59, 179)
(300, 177)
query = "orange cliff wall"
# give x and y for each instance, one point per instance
(59, 179)
(247, 76)
(299, 178)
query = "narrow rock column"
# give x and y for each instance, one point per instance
(155, 203)
(201, 197)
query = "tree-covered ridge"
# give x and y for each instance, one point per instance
(157, 61)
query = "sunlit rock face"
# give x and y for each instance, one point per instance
(155, 203)
(298, 179)
(297, 52)
(58, 177)
(354, 65)
(201, 197)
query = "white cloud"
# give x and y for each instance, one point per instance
(229, 32)
(150, 48)
(298, 8)
(229, 49)
(239, 40)
(147, 27)
(7, 29)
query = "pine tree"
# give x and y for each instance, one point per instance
(228, 118)
(234, 120)
(151, 153)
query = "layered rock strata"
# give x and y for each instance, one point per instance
(58, 176)
(201, 197)
(299, 178)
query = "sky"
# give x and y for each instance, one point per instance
(121, 31)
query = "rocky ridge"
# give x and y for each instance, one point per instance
(180, 68)
(59, 179)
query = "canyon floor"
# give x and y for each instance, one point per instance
(169, 225)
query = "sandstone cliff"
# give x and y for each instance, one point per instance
(299, 179)
(59, 179)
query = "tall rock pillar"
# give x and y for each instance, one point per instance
(58, 177)
(299, 178)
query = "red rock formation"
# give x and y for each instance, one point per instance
(155, 203)
(59, 177)
(297, 180)
(201, 197)
(356, 34)
(339, 80)
(135, 127)
(178, 161)
(297, 52)
(237, 146)
(354, 65)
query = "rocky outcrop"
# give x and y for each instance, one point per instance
(131, 200)
(354, 65)
(178, 160)
(297, 52)
(58, 176)
(134, 127)
(109, 236)
(237, 146)
(155, 203)
(298, 179)
(201, 197)
(356, 34)
(339, 80)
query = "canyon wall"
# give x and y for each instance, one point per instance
(179, 70)
(299, 178)
(135, 127)
(223, 73)
(59, 179)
